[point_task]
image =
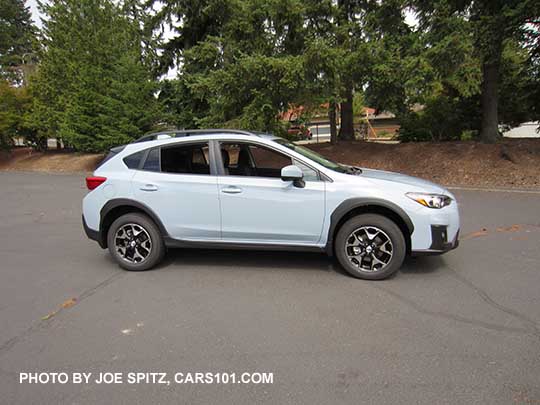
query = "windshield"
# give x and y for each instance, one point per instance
(314, 156)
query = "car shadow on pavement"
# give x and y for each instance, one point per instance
(256, 260)
(264, 260)
(422, 264)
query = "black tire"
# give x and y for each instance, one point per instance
(389, 230)
(157, 248)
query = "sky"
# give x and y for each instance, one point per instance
(35, 12)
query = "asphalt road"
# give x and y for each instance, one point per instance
(463, 328)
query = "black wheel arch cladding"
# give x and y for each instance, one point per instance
(353, 206)
(120, 206)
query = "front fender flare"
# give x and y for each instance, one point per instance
(353, 203)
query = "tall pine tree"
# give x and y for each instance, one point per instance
(93, 89)
(17, 40)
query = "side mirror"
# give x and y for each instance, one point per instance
(293, 173)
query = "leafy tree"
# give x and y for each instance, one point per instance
(324, 64)
(491, 24)
(14, 103)
(240, 62)
(361, 47)
(324, 59)
(17, 40)
(92, 89)
(518, 89)
(337, 57)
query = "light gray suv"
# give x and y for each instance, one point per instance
(223, 189)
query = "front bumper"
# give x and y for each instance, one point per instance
(439, 242)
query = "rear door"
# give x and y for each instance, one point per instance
(178, 184)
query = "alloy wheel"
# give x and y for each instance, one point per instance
(132, 243)
(369, 249)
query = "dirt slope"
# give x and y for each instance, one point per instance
(25, 159)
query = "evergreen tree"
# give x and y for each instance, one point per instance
(239, 61)
(17, 40)
(92, 89)
(492, 24)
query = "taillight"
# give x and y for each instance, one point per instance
(94, 181)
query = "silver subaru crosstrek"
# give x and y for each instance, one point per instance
(238, 189)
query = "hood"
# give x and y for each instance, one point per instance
(426, 185)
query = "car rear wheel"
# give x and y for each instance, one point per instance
(370, 246)
(135, 242)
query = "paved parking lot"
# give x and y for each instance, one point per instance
(461, 328)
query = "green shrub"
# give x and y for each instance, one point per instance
(469, 135)
(414, 128)
(442, 119)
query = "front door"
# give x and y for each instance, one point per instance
(258, 207)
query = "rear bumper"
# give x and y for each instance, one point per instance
(439, 242)
(92, 233)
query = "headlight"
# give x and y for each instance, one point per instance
(430, 200)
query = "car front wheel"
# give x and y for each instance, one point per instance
(135, 242)
(370, 246)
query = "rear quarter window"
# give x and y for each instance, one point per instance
(111, 154)
(133, 161)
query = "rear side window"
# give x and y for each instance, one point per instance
(187, 159)
(133, 161)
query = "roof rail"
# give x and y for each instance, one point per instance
(178, 133)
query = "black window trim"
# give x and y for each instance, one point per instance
(221, 170)
(143, 160)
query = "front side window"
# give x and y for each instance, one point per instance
(186, 159)
(337, 167)
(242, 159)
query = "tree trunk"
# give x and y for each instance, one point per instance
(346, 129)
(333, 124)
(489, 131)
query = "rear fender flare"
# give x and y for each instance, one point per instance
(113, 204)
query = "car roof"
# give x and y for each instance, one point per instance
(181, 133)
(198, 136)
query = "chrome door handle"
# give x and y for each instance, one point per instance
(149, 187)
(231, 190)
